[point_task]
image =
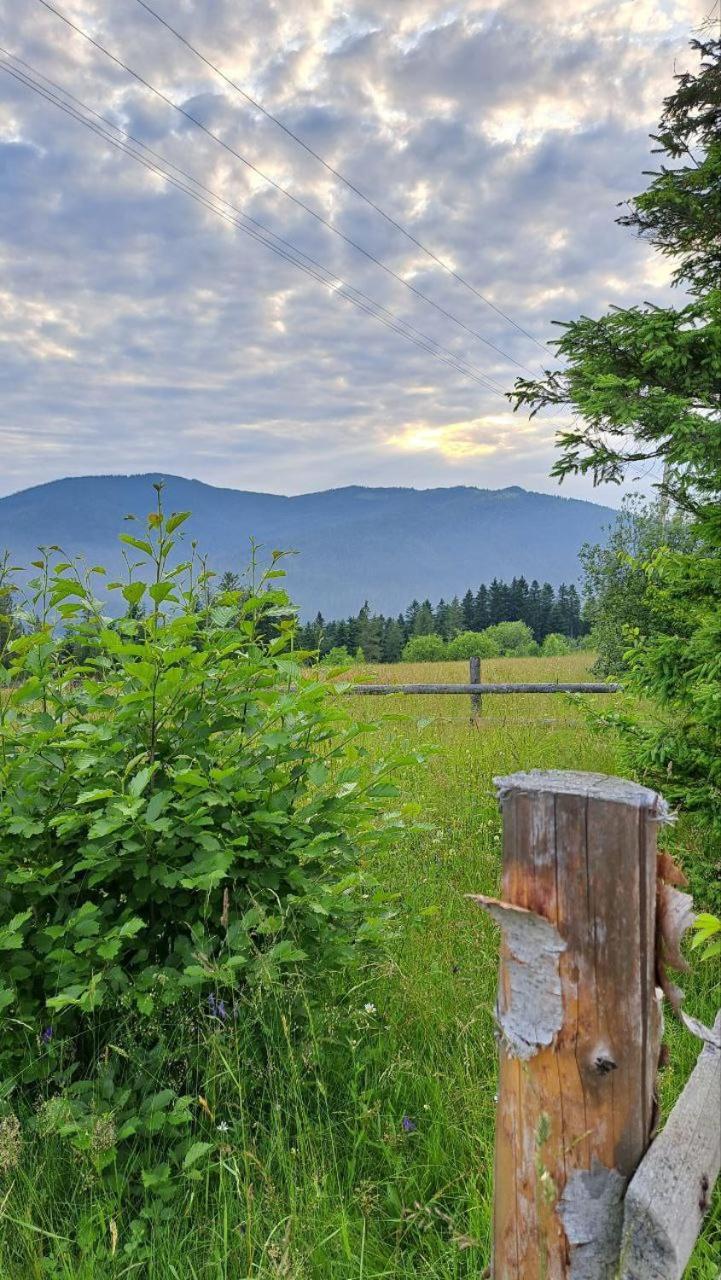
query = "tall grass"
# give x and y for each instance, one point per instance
(360, 1147)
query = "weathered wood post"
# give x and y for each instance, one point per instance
(579, 1022)
(474, 677)
(671, 1190)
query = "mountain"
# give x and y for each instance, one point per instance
(385, 545)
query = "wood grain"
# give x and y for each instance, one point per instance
(670, 1191)
(575, 1117)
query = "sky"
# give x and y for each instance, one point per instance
(141, 331)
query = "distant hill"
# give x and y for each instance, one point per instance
(386, 545)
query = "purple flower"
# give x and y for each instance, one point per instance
(46, 1035)
(217, 1008)
(408, 1125)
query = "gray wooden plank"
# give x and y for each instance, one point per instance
(668, 1195)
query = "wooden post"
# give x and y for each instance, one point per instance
(579, 1022)
(670, 1192)
(474, 677)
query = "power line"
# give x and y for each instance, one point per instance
(188, 115)
(336, 174)
(310, 267)
(328, 278)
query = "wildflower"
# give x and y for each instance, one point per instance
(46, 1035)
(103, 1134)
(52, 1113)
(369, 1008)
(11, 1142)
(223, 1126)
(408, 1125)
(217, 1008)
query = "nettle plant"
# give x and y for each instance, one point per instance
(184, 818)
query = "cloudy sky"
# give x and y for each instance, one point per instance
(140, 330)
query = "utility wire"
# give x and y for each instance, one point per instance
(278, 187)
(332, 279)
(310, 267)
(335, 283)
(336, 174)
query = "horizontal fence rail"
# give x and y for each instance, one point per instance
(483, 688)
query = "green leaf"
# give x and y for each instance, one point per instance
(134, 592)
(131, 927)
(177, 518)
(285, 953)
(10, 937)
(194, 1153)
(138, 543)
(7, 997)
(156, 804)
(157, 1177)
(160, 591)
(91, 797)
(138, 784)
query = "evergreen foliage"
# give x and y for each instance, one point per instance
(646, 384)
(540, 607)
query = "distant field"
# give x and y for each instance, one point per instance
(389, 1176)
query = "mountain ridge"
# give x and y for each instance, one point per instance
(355, 542)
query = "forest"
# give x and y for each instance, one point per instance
(543, 609)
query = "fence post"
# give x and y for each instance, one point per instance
(475, 678)
(579, 1022)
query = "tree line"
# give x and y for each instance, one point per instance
(544, 609)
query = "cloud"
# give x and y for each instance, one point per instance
(140, 331)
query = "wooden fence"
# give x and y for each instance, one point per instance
(590, 917)
(476, 690)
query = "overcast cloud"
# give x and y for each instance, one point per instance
(139, 331)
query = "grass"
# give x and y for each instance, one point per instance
(362, 1148)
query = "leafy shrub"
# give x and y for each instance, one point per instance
(473, 644)
(182, 819)
(514, 639)
(337, 657)
(619, 603)
(430, 648)
(555, 645)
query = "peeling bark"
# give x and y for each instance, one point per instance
(670, 871)
(591, 1210)
(530, 1009)
(674, 915)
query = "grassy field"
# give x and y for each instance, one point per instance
(369, 1155)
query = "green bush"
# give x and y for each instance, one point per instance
(337, 657)
(429, 648)
(473, 644)
(513, 639)
(183, 819)
(555, 645)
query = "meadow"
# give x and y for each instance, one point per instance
(363, 1151)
